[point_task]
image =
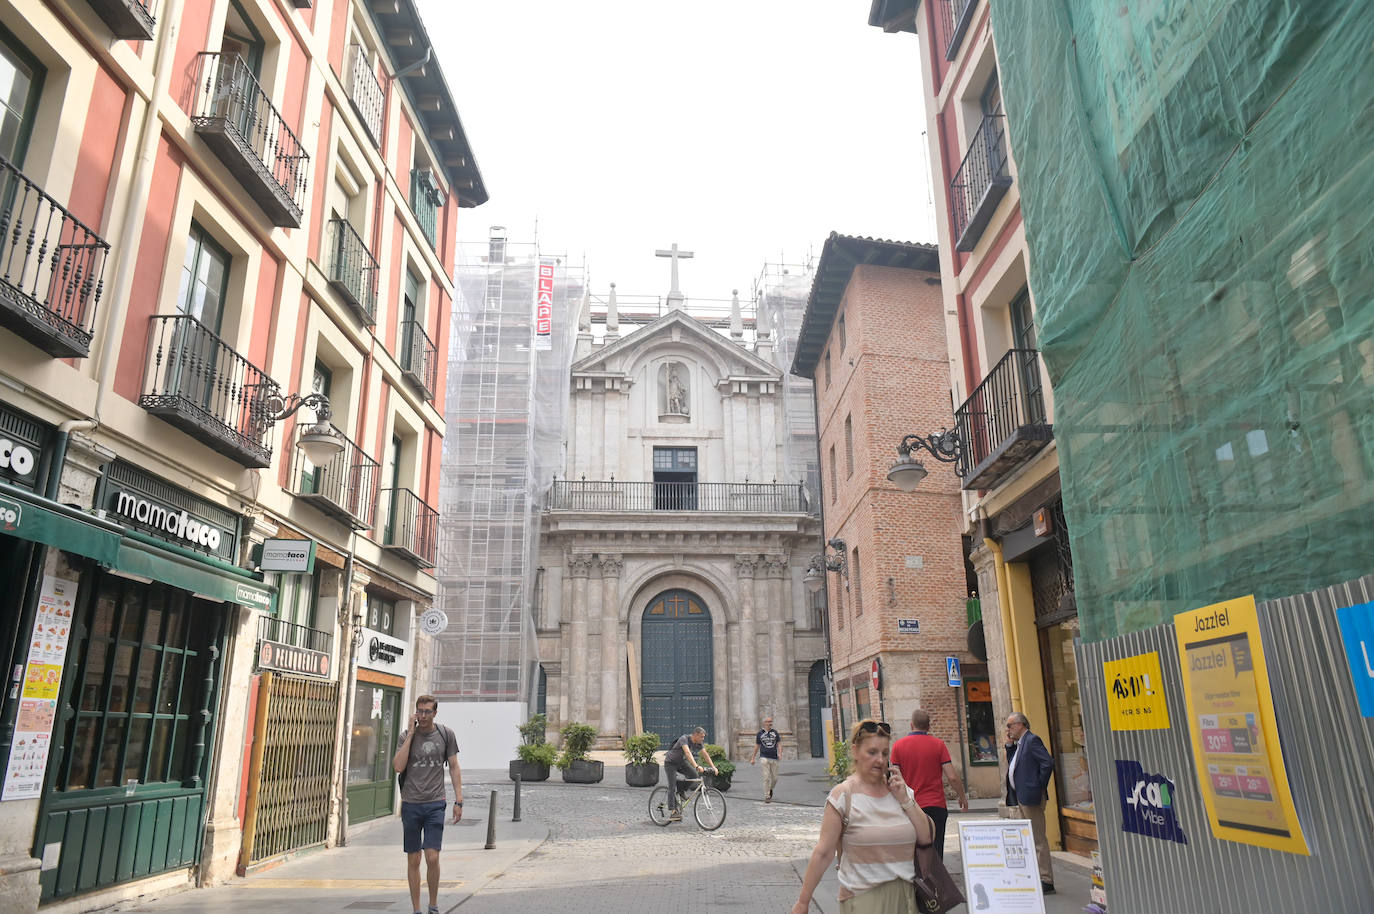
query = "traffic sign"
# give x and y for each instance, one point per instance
(877, 675)
(952, 672)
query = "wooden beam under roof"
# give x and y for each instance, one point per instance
(386, 7)
(430, 103)
(400, 38)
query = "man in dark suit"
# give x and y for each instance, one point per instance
(1029, 767)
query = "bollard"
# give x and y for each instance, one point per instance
(516, 817)
(491, 823)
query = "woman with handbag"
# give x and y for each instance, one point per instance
(870, 827)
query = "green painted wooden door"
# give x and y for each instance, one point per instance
(371, 779)
(676, 646)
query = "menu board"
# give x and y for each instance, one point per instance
(52, 627)
(1001, 875)
(1235, 736)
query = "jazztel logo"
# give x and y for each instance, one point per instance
(10, 512)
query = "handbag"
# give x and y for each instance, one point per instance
(936, 891)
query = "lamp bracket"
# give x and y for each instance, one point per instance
(945, 446)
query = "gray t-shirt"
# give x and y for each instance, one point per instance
(425, 770)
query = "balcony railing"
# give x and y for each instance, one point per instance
(409, 526)
(1004, 423)
(203, 387)
(365, 91)
(956, 15)
(294, 634)
(345, 488)
(425, 200)
(240, 123)
(712, 497)
(52, 268)
(353, 270)
(419, 358)
(130, 19)
(981, 181)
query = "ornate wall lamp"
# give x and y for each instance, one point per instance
(814, 579)
(319, 441)
(945, 446)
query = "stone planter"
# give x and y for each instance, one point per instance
(584, 771)
(529, 771)
(645, 775)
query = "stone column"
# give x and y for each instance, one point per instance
(780, 655)
(579, 566)
(745, 566)
(611, 691)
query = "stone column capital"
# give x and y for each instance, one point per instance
(580, 566)
(746, 566)
(612, 566)
(775, 566)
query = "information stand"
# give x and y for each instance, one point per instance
(1000, 871)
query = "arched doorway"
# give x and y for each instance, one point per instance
(675, 644)
(815, 689)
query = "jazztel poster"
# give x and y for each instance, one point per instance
(1231, 717)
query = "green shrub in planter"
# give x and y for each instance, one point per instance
(532, 731)
(577, 742)
(640, 768)
(726, 767)
(841, 764)
(537, 754)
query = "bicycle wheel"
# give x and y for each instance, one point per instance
(658, 806)
(709, 809)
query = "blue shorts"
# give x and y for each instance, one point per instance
(422, 825)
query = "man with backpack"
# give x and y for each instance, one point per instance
(426, 746)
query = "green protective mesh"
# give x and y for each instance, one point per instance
(1197, 190)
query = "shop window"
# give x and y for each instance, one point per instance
(140, 690)
(1066, 714)
(982, 726)
(374, 735)
(862, 707)
(381, 615)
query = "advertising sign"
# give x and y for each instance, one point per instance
(289, 556)
(1231, 718)
(1135, 693)
(28, 761)
(543, 305)
(287, 658)
(1357, 631)
(1001, 875)
(383, 653)
(1147, 803)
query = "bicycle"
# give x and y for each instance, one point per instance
(708, 804)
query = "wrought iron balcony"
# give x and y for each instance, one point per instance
(365, 91)
(709, 497)
(52, 268)
(1003, 424)
(425, 200)
(239, 122)
(345, 488)
(353, 270)
(199, 384)
(409, 526)
(131, 19)
(294, 634)
(419, 358)
(981, 181)
(957, 15)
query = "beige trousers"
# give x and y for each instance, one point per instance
(1036, 814)
(770, 775)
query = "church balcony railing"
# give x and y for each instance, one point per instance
(710, 497)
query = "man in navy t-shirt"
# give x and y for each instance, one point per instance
(766, 744)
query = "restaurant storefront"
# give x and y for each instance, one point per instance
(378, 712)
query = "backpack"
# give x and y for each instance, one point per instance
(448, 738)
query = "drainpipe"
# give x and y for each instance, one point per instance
(820, 497)
(349, 681)
(130, 230)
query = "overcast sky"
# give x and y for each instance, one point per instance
(744, 130)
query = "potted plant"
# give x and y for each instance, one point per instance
(724, 766)
(841, 764)
(536, 755)
(640, 768)
(577, 768)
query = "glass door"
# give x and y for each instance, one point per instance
(191, 370)
(1027, 362)
(390, 532)
(375, 732)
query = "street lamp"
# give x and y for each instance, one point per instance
(814, 579)
(945, 446)
(318, 441)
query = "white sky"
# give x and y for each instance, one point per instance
(744, 130)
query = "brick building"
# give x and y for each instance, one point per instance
(874, 343)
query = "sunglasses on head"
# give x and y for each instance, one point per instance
(875, 726)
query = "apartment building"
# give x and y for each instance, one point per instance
(1003, 406)
(226, 260)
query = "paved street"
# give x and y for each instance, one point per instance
(578, 848)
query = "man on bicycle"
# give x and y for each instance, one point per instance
(679, 762)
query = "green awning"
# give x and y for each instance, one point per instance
(157, 564)
(33, 517)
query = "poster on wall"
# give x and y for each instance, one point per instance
(1231, 719)
(52, 626)
(543, 305)
(1001, 875)
(1135, 693)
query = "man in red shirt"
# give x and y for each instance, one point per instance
(925, 763)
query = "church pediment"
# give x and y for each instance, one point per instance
(674, 329)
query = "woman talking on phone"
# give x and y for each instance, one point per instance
(871, 819)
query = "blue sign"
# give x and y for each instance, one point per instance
(1357, 630)
(955, 677)
(1147, 803)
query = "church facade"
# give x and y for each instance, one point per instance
(672, 549)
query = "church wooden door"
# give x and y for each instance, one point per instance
(676, 677)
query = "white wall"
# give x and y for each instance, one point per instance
(486, 731)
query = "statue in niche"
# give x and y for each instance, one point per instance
(675, 390)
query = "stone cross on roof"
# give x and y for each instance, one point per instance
(675, 297)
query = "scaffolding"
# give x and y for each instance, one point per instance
(505, 406)
(780, 294)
